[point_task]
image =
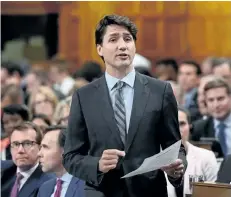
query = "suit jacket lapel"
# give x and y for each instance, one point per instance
(73, 186)
(141, 94)
(32, 183)
(51, 188)
(105, 106)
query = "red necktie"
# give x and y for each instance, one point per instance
(15, 189)
(59, 188)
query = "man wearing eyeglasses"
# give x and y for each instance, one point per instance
(23, 176)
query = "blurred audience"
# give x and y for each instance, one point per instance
(41, 120)
(44, 101)
(222, 68)
(60, 77)
(11, 94)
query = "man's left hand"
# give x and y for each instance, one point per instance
(175, 169)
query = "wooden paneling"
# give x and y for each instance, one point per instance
(184, 30)
(29, 8)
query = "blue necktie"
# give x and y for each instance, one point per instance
(222, 137)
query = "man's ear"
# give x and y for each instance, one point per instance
(99, 49)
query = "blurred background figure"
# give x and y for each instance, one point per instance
(167, 69)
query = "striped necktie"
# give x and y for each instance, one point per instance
(120, 112)
(59, 188)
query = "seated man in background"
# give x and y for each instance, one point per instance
(218, 102)
(12, 115)
(224, 175)
(200, 161)
(23, 176)
(51, 161)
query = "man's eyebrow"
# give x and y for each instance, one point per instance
(116, 34)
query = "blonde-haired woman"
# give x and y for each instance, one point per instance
(44, 101)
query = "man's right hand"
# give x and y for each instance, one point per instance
(109, 159)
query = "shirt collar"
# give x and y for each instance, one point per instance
(28, 173)
(66, 177)
(129, 79)
(227, 121)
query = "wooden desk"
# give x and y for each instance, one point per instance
(211, 190)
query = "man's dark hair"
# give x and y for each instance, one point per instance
(221, 61)
(21, 110)
(12, 68)
(184, 110)
(218, 83)
(24, 126)
(114, 20)
(43, 117)
(90, 71)
(61, 137)
(168, 62)
(195, 65)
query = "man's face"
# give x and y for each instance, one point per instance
(218, 102)
(188, 78)
(223, 70)
(50, 154)
(184, 126)
(10, 121)
(118, 47)
(27, 156)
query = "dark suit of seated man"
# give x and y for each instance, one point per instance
(224, 175)
(64, 185)
(23, 176)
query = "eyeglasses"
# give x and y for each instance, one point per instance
(25, 144)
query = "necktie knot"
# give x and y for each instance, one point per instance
(120, 85)
(19, 176)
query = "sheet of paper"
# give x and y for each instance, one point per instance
(165, 157)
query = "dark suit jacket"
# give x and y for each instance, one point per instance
(92, 129)
(75, 189)
(194, 109)
(224, 175)
(203, 128)
(29, 189)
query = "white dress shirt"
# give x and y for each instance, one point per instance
(26, 175)
(200, 162)
(66, 178)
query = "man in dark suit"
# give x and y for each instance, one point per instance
(23, 176)
(218, 101)
(224, 175)
(119, 120)
(64, 185)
